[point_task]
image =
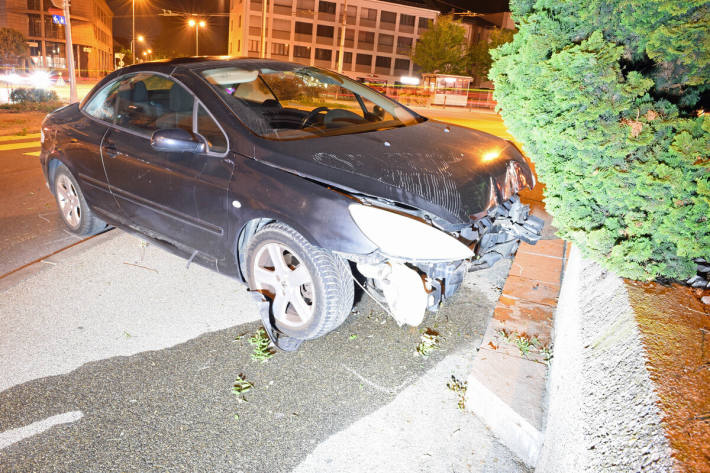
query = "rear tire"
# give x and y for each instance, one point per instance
(74, 210)
(310, 289)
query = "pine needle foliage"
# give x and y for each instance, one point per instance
(607, 98)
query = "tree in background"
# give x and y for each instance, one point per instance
(442, 47)
(12, 45)
(478, 56)
(607, 97)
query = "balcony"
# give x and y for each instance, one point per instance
(300, 12)
(406, 28)
(324, 40)
(323, 64)
(326, 16)
(306, 38)
(255, 31)
(387, 26)
(278, 34)
(283, 10)
(384, 48)
(367, 22)
(365, 46)
(362, 68)
(385, 71)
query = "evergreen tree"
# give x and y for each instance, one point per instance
(607, 97)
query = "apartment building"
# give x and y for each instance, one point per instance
(379, 35)
(92, 34)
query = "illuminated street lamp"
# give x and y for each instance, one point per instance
(133, 31)
(197, 24)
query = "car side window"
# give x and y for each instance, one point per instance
(147, 102)
(207, 127)
(102, 105)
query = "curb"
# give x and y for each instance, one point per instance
(507, 385)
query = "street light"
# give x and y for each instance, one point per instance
(197, 24)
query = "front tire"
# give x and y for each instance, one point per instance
(310, 288)
(75, 212)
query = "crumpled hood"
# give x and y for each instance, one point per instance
(453, 172)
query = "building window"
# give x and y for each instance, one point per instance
(279, 49)
(385, 40)
(401, 64)
(366, 37)
(407, 20)
(254, 45)
(325, 31)
(326, 7)
(424, 23)
(324, 54)
(302, 51)
(281, 28)
(369, 14)
(388, 17)
(303, 28)
(305, 5)
(33, 5)
(347, 58)
(381, 61)
(35, 25)
(52, 30)
(363, 59)
(282, 5)
(404, 45)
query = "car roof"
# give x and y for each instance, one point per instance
(197, 62)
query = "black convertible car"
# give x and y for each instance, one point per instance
(295, 180)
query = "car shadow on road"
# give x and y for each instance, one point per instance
(173, 409)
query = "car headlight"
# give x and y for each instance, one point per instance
(405, 237)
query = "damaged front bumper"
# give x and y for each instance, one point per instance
(410, 287)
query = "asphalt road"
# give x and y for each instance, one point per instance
(30, 226)
(115, 357)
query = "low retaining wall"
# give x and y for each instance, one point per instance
(603, 411)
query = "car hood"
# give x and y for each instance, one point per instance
(453, 172)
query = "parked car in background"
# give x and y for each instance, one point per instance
(294, 180)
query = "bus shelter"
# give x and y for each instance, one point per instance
(447, 89)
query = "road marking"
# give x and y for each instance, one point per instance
(33, 153)
(20, 137)
(9, 437)
(11, 146)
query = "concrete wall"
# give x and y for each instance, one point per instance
(603, 413)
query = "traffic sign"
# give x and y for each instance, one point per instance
(59, 20)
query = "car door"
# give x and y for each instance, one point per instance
(83, 147)
(180, 196)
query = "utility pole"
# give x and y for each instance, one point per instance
(342, 38)
(133, 31)
(263, 29)
(69, 49)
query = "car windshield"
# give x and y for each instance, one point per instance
(297, 102)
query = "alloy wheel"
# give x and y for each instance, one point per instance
(282, 276)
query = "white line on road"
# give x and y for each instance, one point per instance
(9, 437)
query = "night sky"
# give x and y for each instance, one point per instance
(174, 38)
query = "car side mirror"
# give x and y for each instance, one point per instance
(176, 140)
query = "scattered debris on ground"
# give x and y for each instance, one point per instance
(262, 346)
(460, 389)
(527, 344)
(239, 389)
(429, 343)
